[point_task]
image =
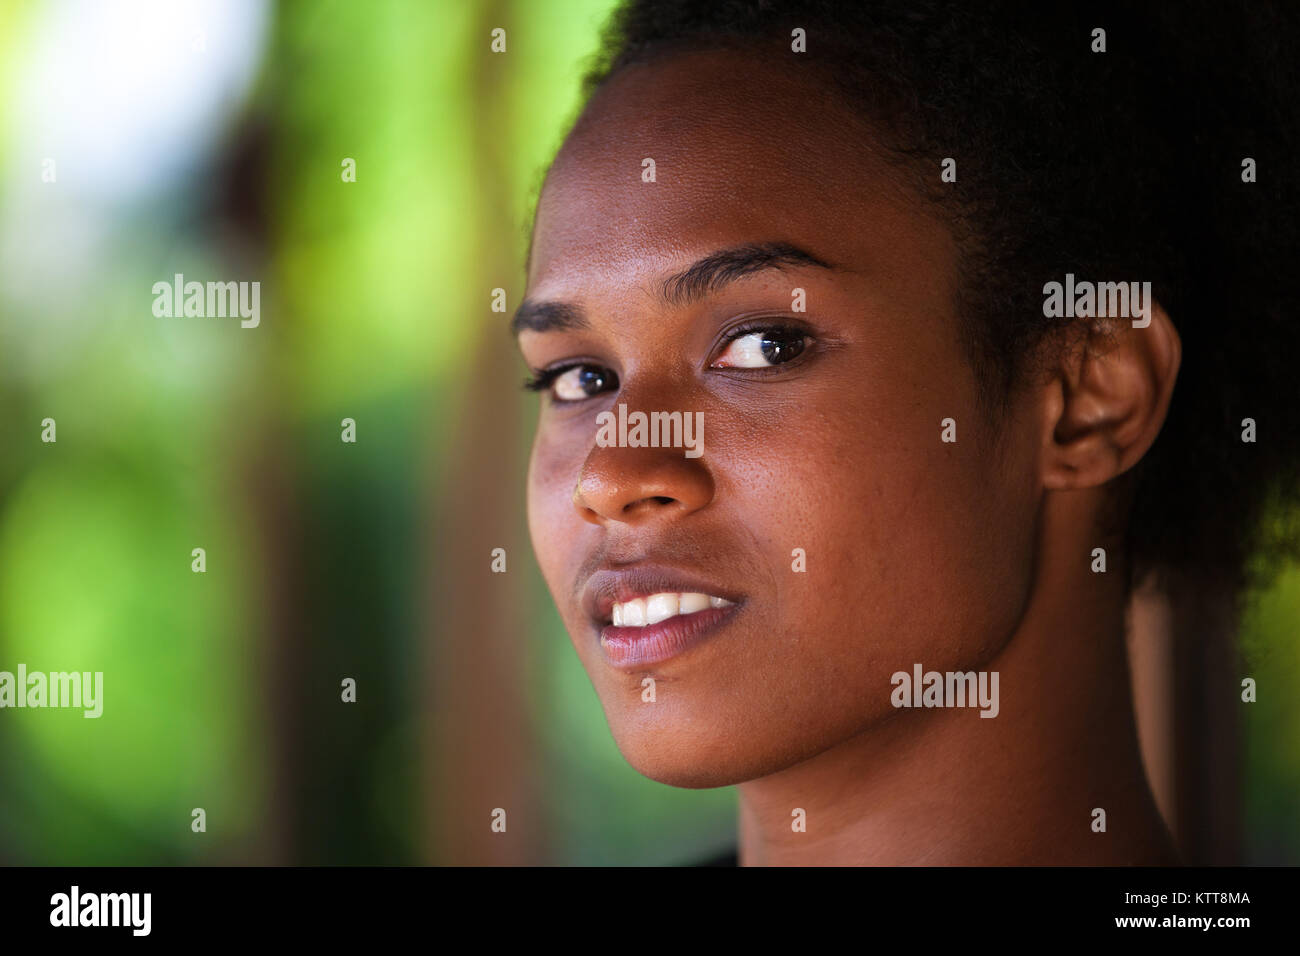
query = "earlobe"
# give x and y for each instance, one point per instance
(1107, 400)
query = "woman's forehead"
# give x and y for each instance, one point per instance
(696, 151)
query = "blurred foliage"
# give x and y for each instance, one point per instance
(1270, 645)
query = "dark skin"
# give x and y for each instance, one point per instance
(971, 555)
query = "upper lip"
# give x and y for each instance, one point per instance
(610, 586)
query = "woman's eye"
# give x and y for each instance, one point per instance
(762, 348)
(581, 381)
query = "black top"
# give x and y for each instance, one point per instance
(728, 858)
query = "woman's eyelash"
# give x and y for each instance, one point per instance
(767, 326)
(540, 381)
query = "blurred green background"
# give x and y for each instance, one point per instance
(208, 138)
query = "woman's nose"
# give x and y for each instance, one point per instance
(637, 485)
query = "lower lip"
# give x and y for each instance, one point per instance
(632, 647)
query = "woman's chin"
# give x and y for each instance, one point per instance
(679, 770)
(700, 759)
(667, 757)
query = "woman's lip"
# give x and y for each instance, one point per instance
(609, 586)
(632, 648)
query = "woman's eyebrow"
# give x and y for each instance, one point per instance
(705, 276)
(727, 265)
(546, 317)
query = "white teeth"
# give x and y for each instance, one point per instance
(640, 612)
(693, 602)
(660, 607)
(634, 613)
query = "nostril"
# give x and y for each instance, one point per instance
(635, 486)
(647, 501)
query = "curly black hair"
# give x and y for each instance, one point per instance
(1127, 163)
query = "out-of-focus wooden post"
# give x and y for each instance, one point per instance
(1206, 748)
(1150, 646)
(1186, 687)
(481, 752)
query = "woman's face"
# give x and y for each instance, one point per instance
(822, 436)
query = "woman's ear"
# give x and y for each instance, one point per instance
(1107, 400)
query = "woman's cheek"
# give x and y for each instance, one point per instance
(552, 521)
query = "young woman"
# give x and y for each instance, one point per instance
(968, 304)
